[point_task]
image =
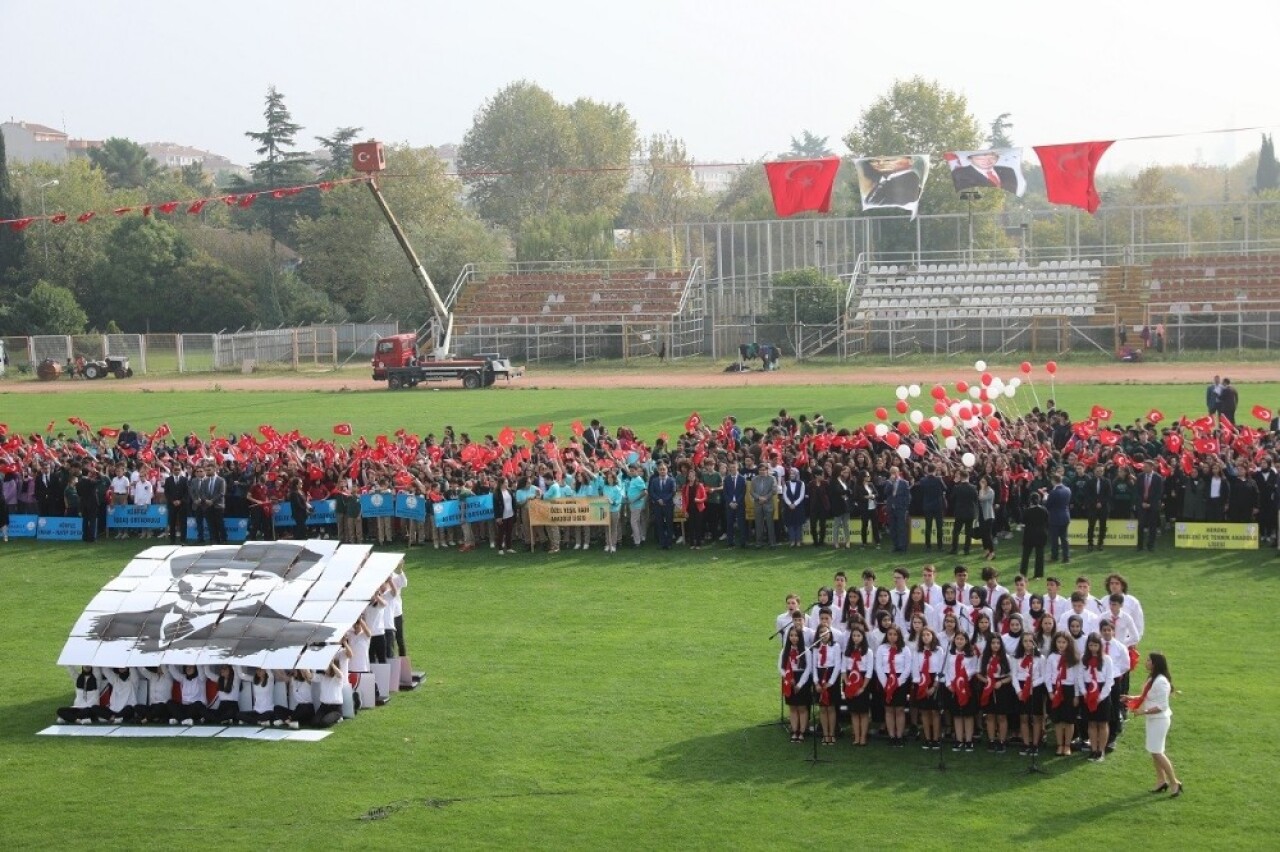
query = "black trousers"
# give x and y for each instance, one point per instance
(202, 526)
(89, 525)
(217, 525)
(400, 636)
(961, 530)
(378, 648)
(177, 523)
(1038, 550)
(1098, 520)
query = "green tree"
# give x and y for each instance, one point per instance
(133, 280)
(194, 177)
(339, 148)
(126, 164)
(46, 309)
(998, 136)
(1268, 175)
(667, 195)
(809, 146)
(13, 254)
(213, 297)
(803, 297)
(74, 249)
(530, 156)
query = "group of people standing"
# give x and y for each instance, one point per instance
(956, 660)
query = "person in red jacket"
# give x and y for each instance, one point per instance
(694, 497)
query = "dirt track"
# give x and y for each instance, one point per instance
(682, 377)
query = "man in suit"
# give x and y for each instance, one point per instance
(1035, 524)
(1213, 394)
(964, 510)
(176, 495)
(1228, 401)
(933, 500)
(217, 506)
(764, 490)
(891, 182)
(898, 498)
(87, 492)
(735, 507)
(1097, 504)
(983, 173)
(1150, 488)
(1058, 505)
(662, 496)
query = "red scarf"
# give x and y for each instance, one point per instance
(926, 678)
(789, 679)
(1093, 692)
(824, 697)
(1056, 698)
(1027, 663)
(961, 684)
(993, 671)
(1004, 625)
(1135, 703)
(853, 682)
(1134, 656)
(891, 683)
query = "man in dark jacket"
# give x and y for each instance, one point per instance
(933, 501)
(1058, 505)
(176, 498)
(1150, 493)
(87, 492)
(1228, 401)
(1097, 504)
(1035, 525)
(964, 509)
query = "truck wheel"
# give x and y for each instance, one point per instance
(119, 374)
(129, 373)
(471, 381)
(394, 383)
(92, 371)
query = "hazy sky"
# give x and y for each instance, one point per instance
(735, 80)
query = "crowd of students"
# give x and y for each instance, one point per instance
(371, 664)
(957, 661)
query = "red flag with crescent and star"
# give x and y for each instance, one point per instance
(802, 185)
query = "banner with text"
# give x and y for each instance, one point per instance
(1118, 532)
(448, 513)
(569, 512)
(1200, 536)
(153, 517)
(377, 505)
(411, 507)
(323, 512)
(23, 526)
(59, 529)
(237, 529)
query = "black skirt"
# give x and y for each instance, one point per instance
(1033, 706)
(900, 695)
(1065, 712)
(801, 696)
(860, 703)
(833, 692)
(932, 700)
(1102, 714)
(969, 709)
(1002, 702)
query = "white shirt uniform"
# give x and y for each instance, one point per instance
(1105, 675)
(902, 665)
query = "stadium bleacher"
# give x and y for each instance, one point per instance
(571, 297)
(1214, 283)
(963, 290)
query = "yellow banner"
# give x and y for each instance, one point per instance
(1215, 536)
(569, 512)
(1118, 532)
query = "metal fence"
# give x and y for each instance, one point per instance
(307, 347)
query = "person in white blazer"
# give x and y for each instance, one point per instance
(1153, 706)
(1094, 681)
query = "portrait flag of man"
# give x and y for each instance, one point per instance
(802, 185)
(1068, 172)
(999, 168)
(892, 181)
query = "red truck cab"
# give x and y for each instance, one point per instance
(399, 350)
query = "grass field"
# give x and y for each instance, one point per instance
(581, 701)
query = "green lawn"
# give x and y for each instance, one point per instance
(581, 701)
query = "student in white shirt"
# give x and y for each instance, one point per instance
(959, 677)
(1094, 680)
(121, 704)
(1028, 684)
(995, 674)
(1044, 633)
(827, 619)
(858, 672)
(928, 582)
(262, 698)
(1119, 655)
(1126, 631)
(1118, 585)
(190, 706)
(1081, 606)
(1153, 706)
(795, 667)
(1054, 602)
(1021, 597)
(824, 601)
(331, 681)
(1060, 671)
(86, 706)
(962, 583)
(893, 671)
(159, 693)
(928, 659)
(995, 591)
(1075, 630)
(1012, 638)
(301, 709)
(840, 596)
(899, 595)
(867, 595)
(225, 707)
(783, 621)
(952, 605)
(826, 672)
(1092, 604)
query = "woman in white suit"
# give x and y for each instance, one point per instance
(1153, 704)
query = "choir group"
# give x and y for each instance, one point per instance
(935, 660)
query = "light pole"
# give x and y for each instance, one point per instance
(970, 195)
(44, 223)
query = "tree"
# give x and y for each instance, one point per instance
(280, 166)
(132, 283)
(809, 146)
(530, 156)
(212, 296)
(803, 297)
(668, 194)
(46, 309)
(193, 176)
(126, 164)
(339, 147)
(74, 249)
(999, 137)
(1268, 175)
(13, 246)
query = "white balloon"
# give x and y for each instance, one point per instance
(1015, 381)
(917, 417)
(914, 391)
(882, 429)
(969, 459)
(979, 365)
(903, 451)
(947, 422)
(974, 391)
(973, 423)
(997, 386)
(936, 421)
(1010, 391)
(950, 442)
(954, 409)
(901, 391)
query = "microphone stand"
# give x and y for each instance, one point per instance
(814, 701)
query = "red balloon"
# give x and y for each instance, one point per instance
(1025, 367)
(939, 408)
(983, 395)
(1052, 367)
(882, 413)
(870, 430)
(939, 392)
(927, 427)
(986, 380)
(919, 449)
(962, 387)
(994, 424)
(892, 439)
(904, 427)
(986, 408)
(902, 406)
(965, 412)
(947, 433)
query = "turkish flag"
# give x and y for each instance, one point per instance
(507, 436)
(21, 224)
(1068, 172)
(801, 185)
(1208, 446)
(197, 206)
(57, 218)
(1262, 413)
(544, 429)
(342, 429)
(1155, 415)
(85, 217)
(577, 428)
(168, 207)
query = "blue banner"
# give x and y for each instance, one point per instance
(153, 517)
(447, 513)
(59, 529)
(323, 512)
(480, 508)
(237, 529)
(377, 505)
(412, 507)
(23, 526)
